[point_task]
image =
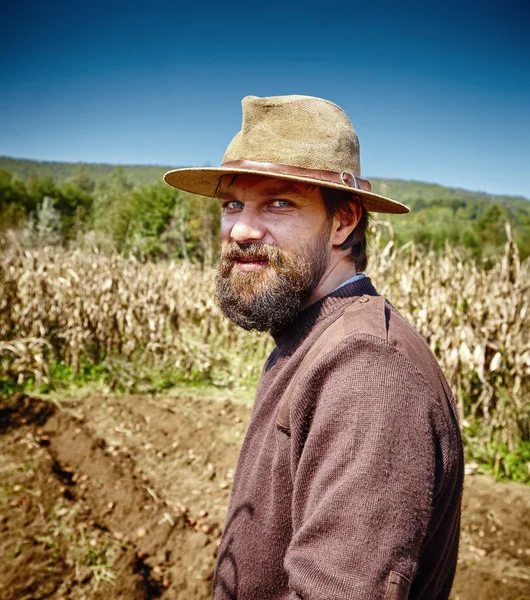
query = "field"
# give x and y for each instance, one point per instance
(125, 496)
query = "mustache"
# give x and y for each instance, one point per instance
(255, 251)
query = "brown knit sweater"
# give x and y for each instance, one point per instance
(349, 481)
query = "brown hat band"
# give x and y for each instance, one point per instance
(344, 178)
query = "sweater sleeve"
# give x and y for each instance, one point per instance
(363, 464)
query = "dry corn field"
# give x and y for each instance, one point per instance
(137, 318)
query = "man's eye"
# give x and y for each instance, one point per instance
(232, 205)
(281, 203)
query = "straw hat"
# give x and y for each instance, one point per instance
(298, 138)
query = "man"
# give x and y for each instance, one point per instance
(349, 481)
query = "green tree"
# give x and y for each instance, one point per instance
(490, 227)
(112, 208)
(74, 205)
(169, 223)
(14, 201)
(152, 223)
(81, 178)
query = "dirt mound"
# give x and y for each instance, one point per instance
(124, 497)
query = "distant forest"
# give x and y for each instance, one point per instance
(130, 209)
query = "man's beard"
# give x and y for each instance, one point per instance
(270, 298)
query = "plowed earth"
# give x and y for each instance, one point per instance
(125, 497)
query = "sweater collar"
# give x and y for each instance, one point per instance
(290, 336)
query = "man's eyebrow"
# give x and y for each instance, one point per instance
(282, 188)
(274, 189)
(225, 196)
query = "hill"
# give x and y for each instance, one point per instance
(63, 171)
(418, 194)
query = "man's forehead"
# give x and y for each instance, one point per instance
(230, 185)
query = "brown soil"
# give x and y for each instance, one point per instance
(124, 497)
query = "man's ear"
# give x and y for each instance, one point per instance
(344, 222)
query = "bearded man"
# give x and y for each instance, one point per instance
(349, 481)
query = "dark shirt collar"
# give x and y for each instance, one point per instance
(288, 338)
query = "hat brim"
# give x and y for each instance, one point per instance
(204, 181)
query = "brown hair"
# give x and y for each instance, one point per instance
(337, 201)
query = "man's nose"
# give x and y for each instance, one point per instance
(247, 228)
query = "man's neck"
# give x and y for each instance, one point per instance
(340, 269)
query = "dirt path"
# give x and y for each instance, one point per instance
(124, 497)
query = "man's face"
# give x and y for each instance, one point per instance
(275, 238)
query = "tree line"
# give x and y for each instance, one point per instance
(150, 221)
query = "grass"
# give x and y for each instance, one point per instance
(90, 551)
(64, 383)
(503, 463)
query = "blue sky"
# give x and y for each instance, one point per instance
(436, 93)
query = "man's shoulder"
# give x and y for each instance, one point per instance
(368, 317)
(374, 316)
(372, 319)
